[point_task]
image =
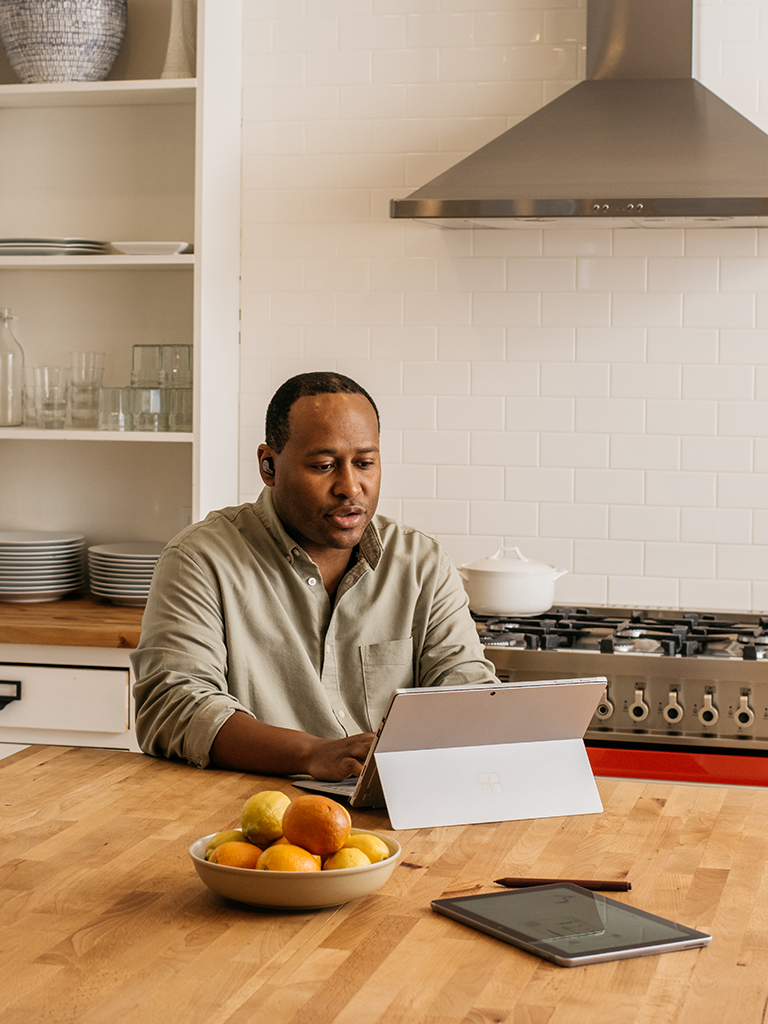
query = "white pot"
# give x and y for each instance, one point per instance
(510, 586)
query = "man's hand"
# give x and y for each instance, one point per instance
(245, 744)
(337, 759)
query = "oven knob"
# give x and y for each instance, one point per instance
(605, 708)
(673, 712)
(639, 710)
(708, 713)
(745, 716)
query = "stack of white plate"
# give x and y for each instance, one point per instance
(40, 565)
(52, 247)
(122, 572)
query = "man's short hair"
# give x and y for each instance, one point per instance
(321, 382)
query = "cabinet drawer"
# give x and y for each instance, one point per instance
(67, 697)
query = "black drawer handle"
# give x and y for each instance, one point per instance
(9, 691)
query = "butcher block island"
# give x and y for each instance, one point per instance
(65, 676)
(104, 918)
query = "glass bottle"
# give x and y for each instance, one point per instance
(11, 374)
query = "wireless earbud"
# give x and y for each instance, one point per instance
(268, 466)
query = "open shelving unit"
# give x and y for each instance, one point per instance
(142, 158)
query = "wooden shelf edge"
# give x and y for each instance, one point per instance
(67, 434)
(70, 94)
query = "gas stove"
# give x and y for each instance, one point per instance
(675, 679)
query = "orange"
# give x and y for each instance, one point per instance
(317, 823)
(229, 835)
(285, 857)
(236, 855)
(346, 857)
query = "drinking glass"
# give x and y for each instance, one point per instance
(86, 367)
(180, 409)
(147, 366)
(115, 409)
(51, 397)
(150, 408)
(176, 366)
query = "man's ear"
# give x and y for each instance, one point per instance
(267, 465)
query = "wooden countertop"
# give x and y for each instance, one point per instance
(104, 919)
(82, 622)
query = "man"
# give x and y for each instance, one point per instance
(276, 631)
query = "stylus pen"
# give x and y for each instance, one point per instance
(585, 883)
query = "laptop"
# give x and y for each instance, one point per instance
(459, 755)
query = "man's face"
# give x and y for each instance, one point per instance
(325, 487)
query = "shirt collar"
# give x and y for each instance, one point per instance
(370, 543)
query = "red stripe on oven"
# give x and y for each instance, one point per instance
(679, 766)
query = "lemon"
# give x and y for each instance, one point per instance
(346, 857)
(374, 848)
(229, 835)
(262, 817)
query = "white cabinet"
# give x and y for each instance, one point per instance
(66, 695)
(132, 158)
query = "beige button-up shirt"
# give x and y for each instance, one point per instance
(238, 619)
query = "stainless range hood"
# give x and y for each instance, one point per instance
(639, 143)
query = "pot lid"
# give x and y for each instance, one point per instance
(517, 564)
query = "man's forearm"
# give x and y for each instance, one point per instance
(245, 744)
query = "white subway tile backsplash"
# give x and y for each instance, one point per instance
(681, 417)
(503, 518)
(680, 488)
(588, 309)
(541, 484)
(717, 453)
(719, 310)
(726, 526)
(715, 595)
(500, 378)
(435, 378)
(743, 419)
(676, 275)
(611, 558)
(609, 274)
(536, 386)
(695, 561)
(611, 415)
(643, 522)
(541, 275)
(504, 448)
(470, 413)
(435, 517)
(438, 447)
(653, 309)
(482, 483)
(574, 450)
(590, 380)
(610, 486)
(571, 520)
(483, 344)
(541, 343)
(644, 451)
(718, 382)
(682, 345)
(643, 592)
(540, 414)
(645, 380)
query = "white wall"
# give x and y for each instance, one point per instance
(599, 398)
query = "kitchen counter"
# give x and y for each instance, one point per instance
(104, 918)
(81, 622)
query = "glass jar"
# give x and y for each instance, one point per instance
(11, 374)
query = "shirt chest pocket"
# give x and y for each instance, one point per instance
(386, 667)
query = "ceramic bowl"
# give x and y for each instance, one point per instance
(299, 890)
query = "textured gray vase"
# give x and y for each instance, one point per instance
(62, 40)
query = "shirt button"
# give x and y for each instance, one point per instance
(311, 581)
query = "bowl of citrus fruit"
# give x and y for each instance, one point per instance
(301, 853)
